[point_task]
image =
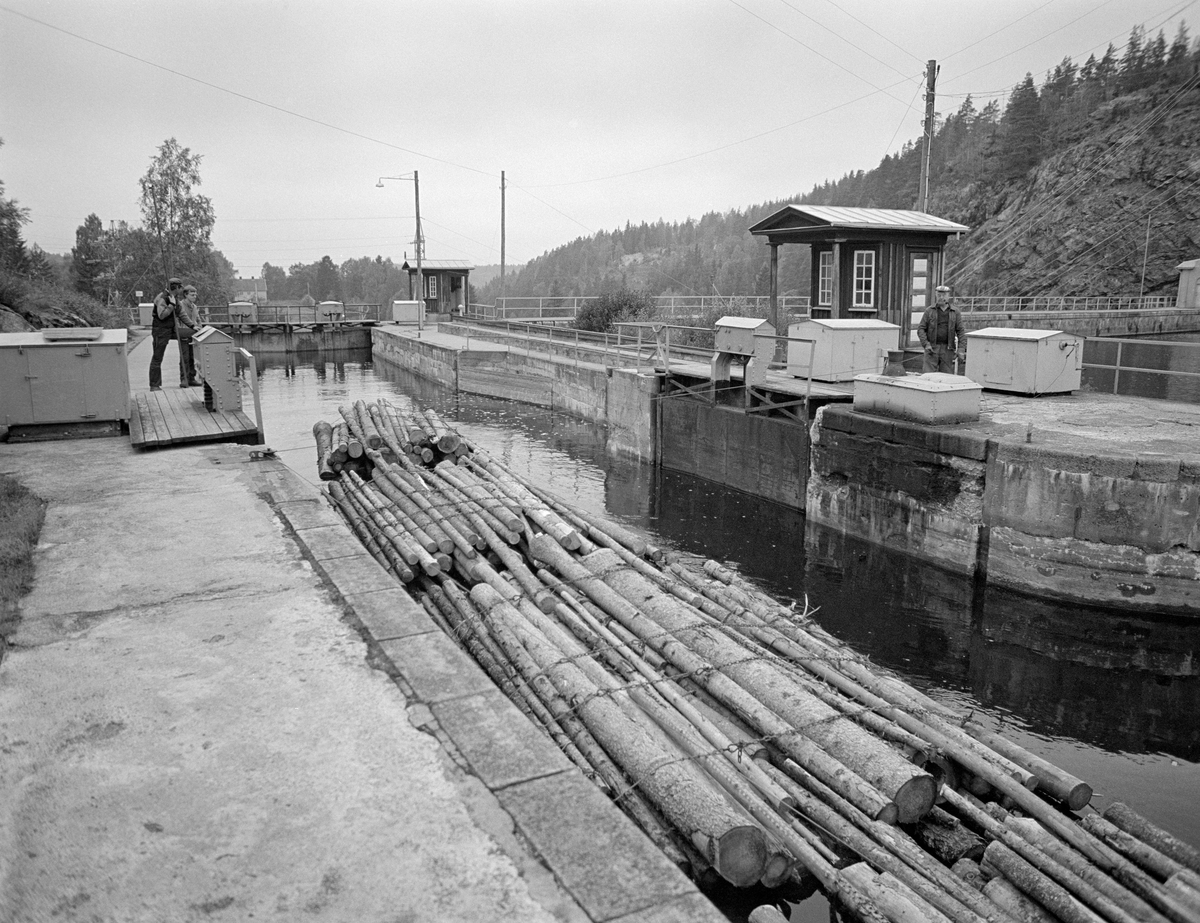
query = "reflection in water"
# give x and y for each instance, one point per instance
(1113, 698)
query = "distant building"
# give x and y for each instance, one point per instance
(251, 290)
(878, 263)
(445, 283)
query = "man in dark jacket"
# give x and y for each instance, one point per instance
(163, 328)
(941, 334)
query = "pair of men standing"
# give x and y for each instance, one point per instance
(175, 317)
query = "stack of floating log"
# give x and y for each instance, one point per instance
(342, 446)
(742, 738)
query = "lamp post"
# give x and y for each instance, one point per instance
(420, 241)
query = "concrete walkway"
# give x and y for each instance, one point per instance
(217, 706)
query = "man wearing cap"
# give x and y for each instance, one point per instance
(941, 334)
(163, 328)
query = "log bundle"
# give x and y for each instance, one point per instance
(743, 739)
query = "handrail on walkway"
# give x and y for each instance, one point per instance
(258, 420)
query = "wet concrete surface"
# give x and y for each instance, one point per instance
(199, 721)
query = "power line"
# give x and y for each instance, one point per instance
(807, 47)
(242, 96)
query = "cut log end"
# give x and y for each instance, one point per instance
(740, 855)
(915, 798)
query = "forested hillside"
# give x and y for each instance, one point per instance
(1068, 189)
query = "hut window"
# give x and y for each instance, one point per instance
(825, 278)
(864, 278)
(431, 286)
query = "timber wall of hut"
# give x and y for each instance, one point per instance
(1100, 530)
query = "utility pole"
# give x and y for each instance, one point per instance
(931, 72)
(501, 235)
(420, 243)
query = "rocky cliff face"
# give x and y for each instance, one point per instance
(1079, 223)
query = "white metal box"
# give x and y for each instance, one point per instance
(243, 312)
(213, 350)
(146, 314)
(330, 312)
(1025, 361)
(64, 375)
(842, 347)
(749, 338)
(737, 335)
(931, 398)
(408, 312)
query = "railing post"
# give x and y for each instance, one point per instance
(1117, 370)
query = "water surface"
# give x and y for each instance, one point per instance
(1111, 697)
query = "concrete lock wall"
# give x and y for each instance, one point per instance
(759, 455)
(1112, 531)
(897, 484)
(262, 341)
(632, 422)
(422, 358)
(623, 399)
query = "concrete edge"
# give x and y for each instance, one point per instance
(550, 802)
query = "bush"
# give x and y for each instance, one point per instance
(623, 304)
(46, 304)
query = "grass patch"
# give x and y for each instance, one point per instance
(21, 516)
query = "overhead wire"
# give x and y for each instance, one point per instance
(856, 47)
(527, 188)
(1083, 179)
(1033, 214)
(807, 47)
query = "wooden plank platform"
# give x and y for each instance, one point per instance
(175, 416)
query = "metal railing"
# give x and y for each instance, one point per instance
(670, 307)
(1009, 304)
(280, 314)
(625, 348)
(258, 420)
(1146, 368)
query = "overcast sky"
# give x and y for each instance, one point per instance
(599, 111)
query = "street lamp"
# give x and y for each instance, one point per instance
(420, 242)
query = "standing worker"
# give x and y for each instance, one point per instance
(941, 334)
(163, 328)
(186, 323)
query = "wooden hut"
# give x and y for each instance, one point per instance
(879, 263)
(445, 283)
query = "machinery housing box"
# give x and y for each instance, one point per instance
(842, 347)
(934, 397)
(213, 350)
(408, 312)
(331, 312)
(64, 375)
(243, 312)
(736, 335)
(1025, 361)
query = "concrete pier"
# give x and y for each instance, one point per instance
(218, 706)
(1084, 497)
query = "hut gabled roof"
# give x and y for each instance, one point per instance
(805, 222)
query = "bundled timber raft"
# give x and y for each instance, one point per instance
(743, 739)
